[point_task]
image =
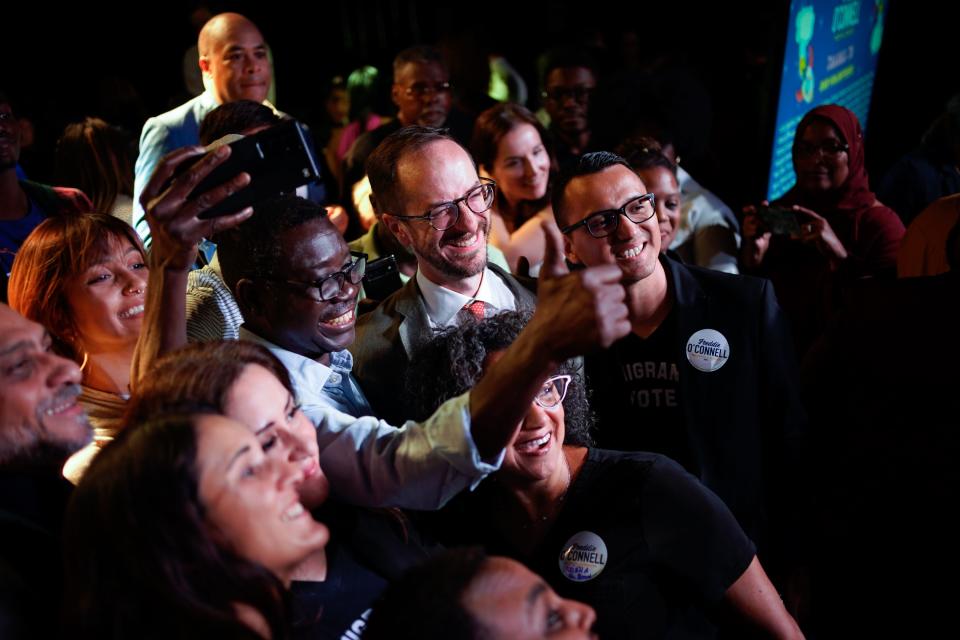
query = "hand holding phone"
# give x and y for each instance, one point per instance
(278, 160)
(780, 221)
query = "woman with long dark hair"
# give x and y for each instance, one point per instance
(184, 527)
(332, 589)
(508, 145)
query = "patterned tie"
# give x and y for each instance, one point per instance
(476, 309)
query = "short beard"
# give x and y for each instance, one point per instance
(36, 445)
(459, 271)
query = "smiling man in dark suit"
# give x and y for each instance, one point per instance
(426, 190)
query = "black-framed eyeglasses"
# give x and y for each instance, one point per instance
(443, 216)
(553, 392)
(580, 93)
(421, 89)
(329, 287)
(831, 148)
(603, 223)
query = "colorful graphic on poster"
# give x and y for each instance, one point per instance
(830, 58)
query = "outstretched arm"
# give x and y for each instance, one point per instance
(176, 230)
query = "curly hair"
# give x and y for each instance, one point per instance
(140, 560)
(455, 360)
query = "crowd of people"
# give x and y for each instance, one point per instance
(581, 397)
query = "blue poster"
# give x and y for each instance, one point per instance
(830, 58)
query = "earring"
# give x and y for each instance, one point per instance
(86, 356)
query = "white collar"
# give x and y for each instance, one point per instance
(444, 304)
(305, 373)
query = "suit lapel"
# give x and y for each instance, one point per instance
(699, 397)
(414, 329)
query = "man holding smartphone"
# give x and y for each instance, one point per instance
(297, 284)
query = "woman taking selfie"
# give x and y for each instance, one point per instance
(184, 527)
(333, 588)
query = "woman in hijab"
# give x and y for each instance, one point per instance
(842, 231)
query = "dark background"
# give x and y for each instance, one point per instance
(123, 63)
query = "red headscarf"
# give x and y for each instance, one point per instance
(854, 194)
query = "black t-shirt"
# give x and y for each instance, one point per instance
(670, 548)
(367, 549)
(635, 387)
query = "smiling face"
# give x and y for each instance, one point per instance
(263, 405)
(106, 300)
(235, 59)
(536, 453)
(522, 165)
(39, 413)
(436, 173)
(510, 601)
(820, 170)
(250, 499)
(633, 247)
(663, 184)
(295, 318)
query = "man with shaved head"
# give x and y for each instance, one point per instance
(233, 59)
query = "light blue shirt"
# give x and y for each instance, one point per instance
(320, 386)
(372, 463)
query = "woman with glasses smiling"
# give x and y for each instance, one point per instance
(840, 231)
(631, 534)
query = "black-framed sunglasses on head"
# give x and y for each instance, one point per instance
(479, 199)
(329, 287)
(602, 223)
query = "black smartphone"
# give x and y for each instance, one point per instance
(279, 159)
(780, 221)
(382, 278)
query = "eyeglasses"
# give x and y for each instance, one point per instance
(603, 223)
(553, 392)
(329, 287)
(443, 216)
(831, 148)
(421, 89)
(580, 93)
